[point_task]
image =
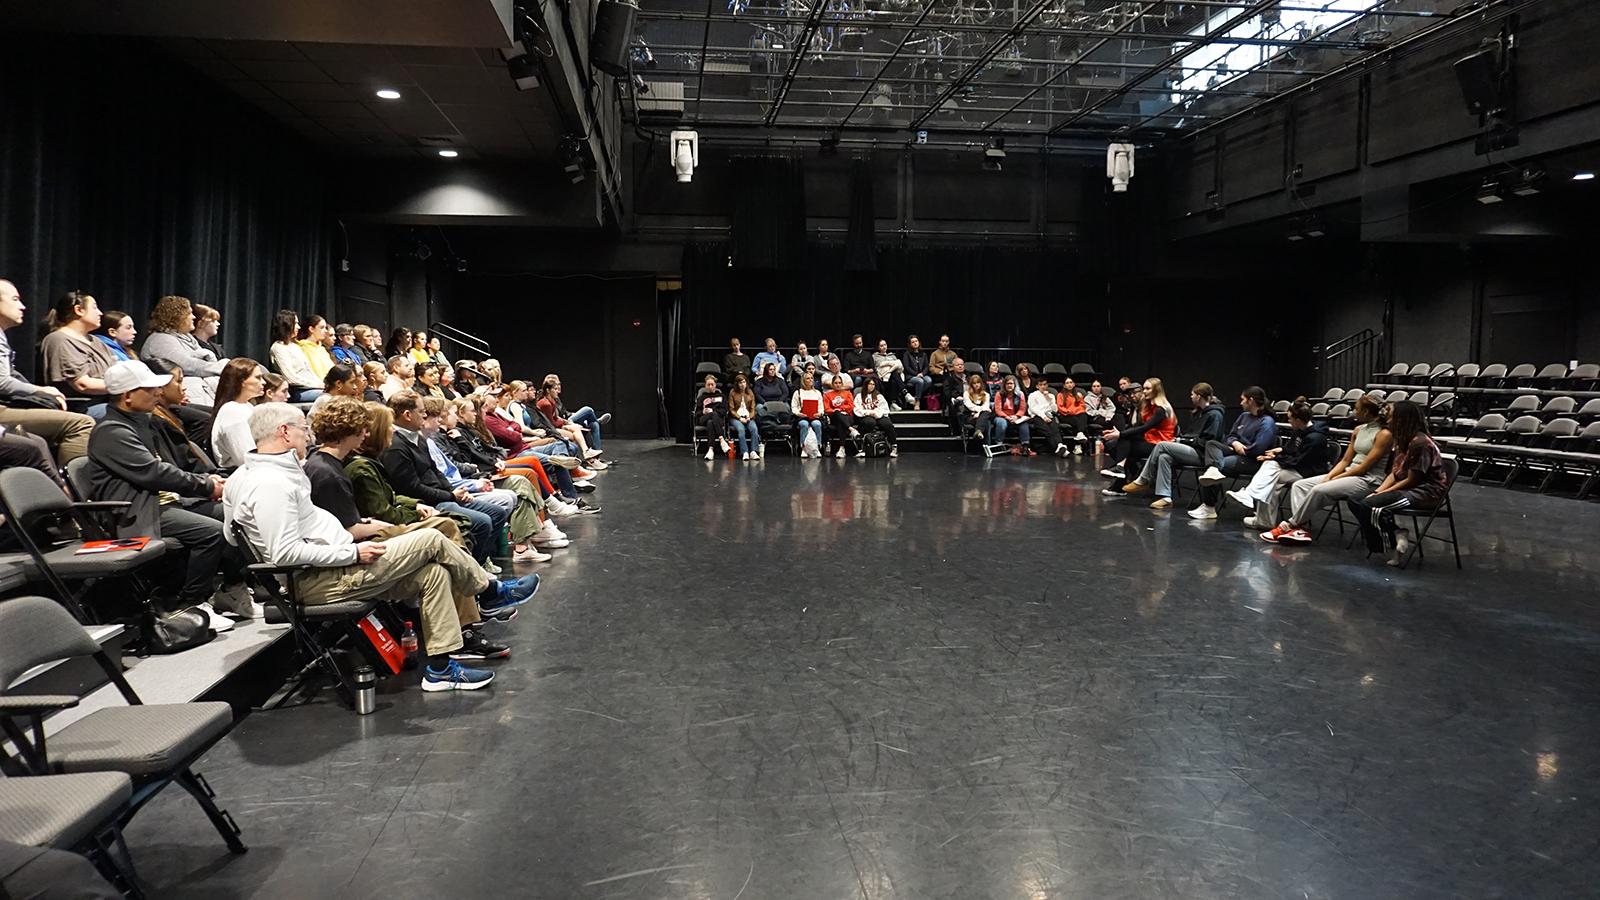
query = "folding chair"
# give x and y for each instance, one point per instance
(1445, 509)
(34, 505)
(317, 628)
(77, 813)
(153, 744)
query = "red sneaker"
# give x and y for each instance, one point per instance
(1277, 533)
(1297, 536)
(1030, 452)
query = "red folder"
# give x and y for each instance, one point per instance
(810, 408)
(137, 543)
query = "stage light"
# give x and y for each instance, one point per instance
(523, 69)
(388, 94)
(1583, 176)
(449, 154)
(685, 154)
(994, 155)
(572, 159)
(1491, 192)
(1119, 166)
(1529, 181)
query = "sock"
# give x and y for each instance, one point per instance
(439, 663)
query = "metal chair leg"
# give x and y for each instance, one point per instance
(1455, 543)
(197, 787)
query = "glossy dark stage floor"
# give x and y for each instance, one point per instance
(940, 677)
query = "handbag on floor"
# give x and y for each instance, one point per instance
(172, 632)
(932, 402)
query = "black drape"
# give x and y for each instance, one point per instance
(769, 214)
(980, 295)
(861, 238)
(126, 174)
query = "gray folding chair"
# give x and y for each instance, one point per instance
(75, 813)
(153, 744)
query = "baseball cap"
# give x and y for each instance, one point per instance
(130, 375)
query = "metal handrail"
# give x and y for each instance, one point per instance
(464, 339)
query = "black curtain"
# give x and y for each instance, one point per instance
(769, 214)
(861, 238)
(981, 296)
(126, 174)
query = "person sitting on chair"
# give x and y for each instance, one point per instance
(734, 360)
(769, 387)
(993, 381)
(1303, 455)
(806, 404)
(410, 469)
(1237, 454)
(1073, 415)
(70, 358)
(1205, 426)
(39, 409)
(797, 363)
(117, 332)
(976, 410)
(951, 391)
(872, 414)
(1357, 474)
(711, 411)
(1042, 415)
(857, 361)
(742, 407)
(1011, 413)
(769, 356)
(890, 372)
(1130, 447)
(839, 407)
(1416, 480)
(269, 498)
(289, 358)
(919, 378)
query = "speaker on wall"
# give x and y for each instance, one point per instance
(613, 32)
(1479, 77)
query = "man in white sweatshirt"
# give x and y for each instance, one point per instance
(270, 497)
(1042, 412)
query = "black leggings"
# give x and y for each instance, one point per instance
(1050, 428)
(716, 424)
(981, 421)
(840, 423)
(870, 423)
(1374, 514)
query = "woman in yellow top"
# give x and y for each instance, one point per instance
(419, 348)
(315, 339)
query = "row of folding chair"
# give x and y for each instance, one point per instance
(1526, 443)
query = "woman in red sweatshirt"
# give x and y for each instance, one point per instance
(838, 406)
(1073, 415)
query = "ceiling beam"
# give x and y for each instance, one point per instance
(1016, 30)
(813, 17)
(866, 92)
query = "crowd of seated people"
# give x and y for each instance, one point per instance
(408, 477)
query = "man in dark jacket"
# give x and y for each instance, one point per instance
(955, 384)
(168, 502)
(1205, 424)
(411, 472)
(857, 361)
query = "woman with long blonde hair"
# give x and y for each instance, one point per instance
(1132, 445)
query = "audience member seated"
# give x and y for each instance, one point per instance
(836, 372)
(543, 459)
(399, 344)
(1304, 455)
(117, 332)
(192, 423)
(890, 372)
(341, 381)
(838, 406)
(375, 375)
(1073, 416)
(427, 383)
(344, 346)
(71, 360)
(447, 381)
(240, 386)
(419, 348)
(798, 362)
(364, 341)
(536, 424)
(478, 458)
(769, 355)
(1010, 408)
(1238, 454)
(872, 414)
(290, 359)
(316, 342)
(1416, 480)
(806, 404)
(941, 360)
(172, 342)
(436, 352)
(1025, 379)
(919, 378)
(976, 410)
(1357, 474)
(409, 467)
(711, 412)
(1205, 426)
(207, 322)
(402, 376)
(1125, 402)
(993, 381)
(549, 403)
(1155, 423)
(1099, 410)
(270, 498)
(274, 388)
(824, 357)
(857, 361)
(482, 490)
(1042, 416)
(172, 492)
(769, 387)
(950, 391)
(734, 360)
(742, 406)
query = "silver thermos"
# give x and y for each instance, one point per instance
(366, 690)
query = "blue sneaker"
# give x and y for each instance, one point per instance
(507, 594)
(455, 677)
(523, 588)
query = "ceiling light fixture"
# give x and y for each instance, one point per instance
(388, 94)
(449, 154)
(1491, 192)
(1583, 176)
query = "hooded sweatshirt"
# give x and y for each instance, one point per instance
(270, 497)
(1307, 452)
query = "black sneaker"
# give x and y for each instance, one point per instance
(502, 614)
(587, 508)
(476, 646)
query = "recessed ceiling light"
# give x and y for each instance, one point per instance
(449, 154)
(389, 94)
(1583, 176)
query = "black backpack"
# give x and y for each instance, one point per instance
(874, 444)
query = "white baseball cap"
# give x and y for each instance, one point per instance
(130, 375)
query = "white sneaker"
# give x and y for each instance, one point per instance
(1077, 450)
(560, 509)
(854, 433)
(838, 452)
(1080, 437)
(1252, 522)
(894, 452)
(219, 622)
(605, 419)
(1241, 498)
(531, 554)
(910, 402)
(592, 453)
(1202, 512)
(1402, 545)
(709, 454)
(491, 568)
(595, 465)
(548, 543)
(1114, 473)
(571, 462)
(549, 530)
(1212, 475)
(582, 482)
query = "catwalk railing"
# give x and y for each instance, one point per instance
(1350, 361)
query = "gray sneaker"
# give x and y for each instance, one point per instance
(234, 600)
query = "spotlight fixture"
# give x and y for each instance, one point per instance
(1583, 176)
(572, 159)
(1528, 181)
(1491, 192)
(447, 153)
(640, 86)
(388, 94)
(1119, 166)
(522, 67)
(685, 154)
(828, 145)
(994, 155)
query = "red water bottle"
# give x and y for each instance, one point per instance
(408, 644)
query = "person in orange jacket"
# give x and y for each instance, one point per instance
(839, 406)
(1073, 415)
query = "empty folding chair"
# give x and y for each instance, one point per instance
(1004, 369)
(1523, 405)
(34, 505)
(1395, 375)
(1377, 394)
(1551, 376)
(1466, 373)
(154, 744)
(1339, 414)
(1585, 377)
(1418, 374)
(1054, 373)
(1443, 374)
(1081, 371)
(1557, 407)
(1352, 395)
(77, 813)
(1522, 376)
(1590, 410)
(1578, 454)
(1320, 409)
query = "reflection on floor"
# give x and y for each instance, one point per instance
(944, 677)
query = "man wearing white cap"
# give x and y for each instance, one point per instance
(179, 506)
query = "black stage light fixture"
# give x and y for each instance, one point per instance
(1529, 181)
(1492, 191)
(572, 159)
(994, 155)
(613, 32)
(523, 68)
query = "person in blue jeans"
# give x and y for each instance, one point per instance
(806, 404)
(1238, 454)
(411, 471)
(549, 403)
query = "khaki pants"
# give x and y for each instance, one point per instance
(466, 604)
(422, 563)
(525, 515)
(66, 432)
